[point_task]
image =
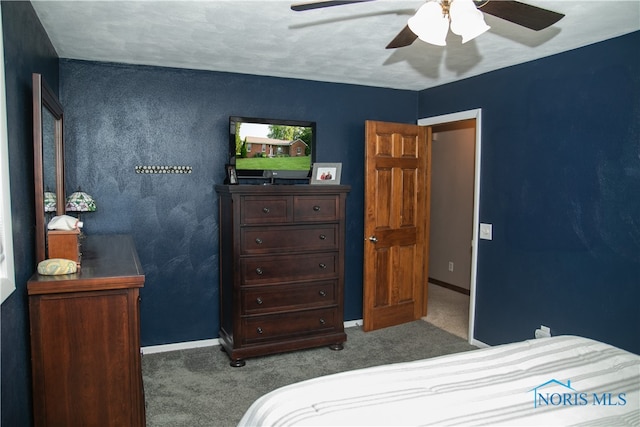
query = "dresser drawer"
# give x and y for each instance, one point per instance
(257, 240)
(265, 209)
(288, 268)
(278, 326)
(316, 208)
(267, 299)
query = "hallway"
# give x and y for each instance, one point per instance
(448, 310)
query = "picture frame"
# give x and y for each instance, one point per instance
(326, 173)
(232, 176)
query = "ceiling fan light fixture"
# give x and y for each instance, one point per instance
(430, 24)
(466, 20)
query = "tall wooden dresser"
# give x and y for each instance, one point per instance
(281, 268)
(85, 339)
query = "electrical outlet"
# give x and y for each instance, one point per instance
(450, 265)
(543, 332)
(486, 231)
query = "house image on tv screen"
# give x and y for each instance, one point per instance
(268, 147)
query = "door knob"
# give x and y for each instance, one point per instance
(373, 239)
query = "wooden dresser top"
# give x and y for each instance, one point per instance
(108, 262)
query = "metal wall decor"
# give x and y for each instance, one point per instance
(163, 169)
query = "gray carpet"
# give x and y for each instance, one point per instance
(197, 387)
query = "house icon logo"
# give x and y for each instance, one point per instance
(555, 398)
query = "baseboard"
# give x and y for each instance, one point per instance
(179, 346)
(449, 286)
(209, 343)
(478, 344)
(353, 323)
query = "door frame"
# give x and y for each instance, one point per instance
(455, 117)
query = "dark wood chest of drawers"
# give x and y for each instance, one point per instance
(281, 268)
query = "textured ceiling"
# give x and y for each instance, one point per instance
(343, 44)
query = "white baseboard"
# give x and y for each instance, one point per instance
(478, 344)
(179, 346)
(353, 323)
(209, 343)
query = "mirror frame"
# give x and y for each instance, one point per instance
(44, 97)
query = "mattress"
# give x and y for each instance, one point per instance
(564, 380)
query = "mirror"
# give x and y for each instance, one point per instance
(48, 158)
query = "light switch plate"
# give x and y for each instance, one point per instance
(486, 231)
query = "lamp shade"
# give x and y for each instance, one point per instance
(466, 20)
(50, 201)
(80, 202)
(430, 24)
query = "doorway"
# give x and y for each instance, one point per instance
(465, 268)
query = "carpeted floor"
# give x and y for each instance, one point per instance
(197, 387)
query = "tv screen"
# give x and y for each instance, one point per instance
(271, 148)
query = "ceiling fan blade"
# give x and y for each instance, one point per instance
(519, 13)
(404, 38)
(321, 4)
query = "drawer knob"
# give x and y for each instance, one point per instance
(259, 271)
(258, 240)
(316, 208)
(259, 330)
(322, 293)
(322, 322)
(265, 210)
(259, 301)
(323, 237)
(322, 265)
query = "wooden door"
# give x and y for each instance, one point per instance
(396, 224)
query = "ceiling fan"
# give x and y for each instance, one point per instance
(532, 17)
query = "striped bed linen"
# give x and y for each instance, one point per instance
(564, 380)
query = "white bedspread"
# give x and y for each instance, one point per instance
(562, 380)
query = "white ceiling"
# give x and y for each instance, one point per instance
(344, 44)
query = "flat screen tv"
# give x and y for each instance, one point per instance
(271, 148)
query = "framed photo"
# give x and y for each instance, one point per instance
(232, 177)
(326, 173)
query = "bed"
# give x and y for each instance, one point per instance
(564, 380)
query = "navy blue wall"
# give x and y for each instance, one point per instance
(560, 179)
(27, 49)
(560, 182)
(119, 116)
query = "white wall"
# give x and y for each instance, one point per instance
(452, 191)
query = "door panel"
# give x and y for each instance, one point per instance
(396, 223)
